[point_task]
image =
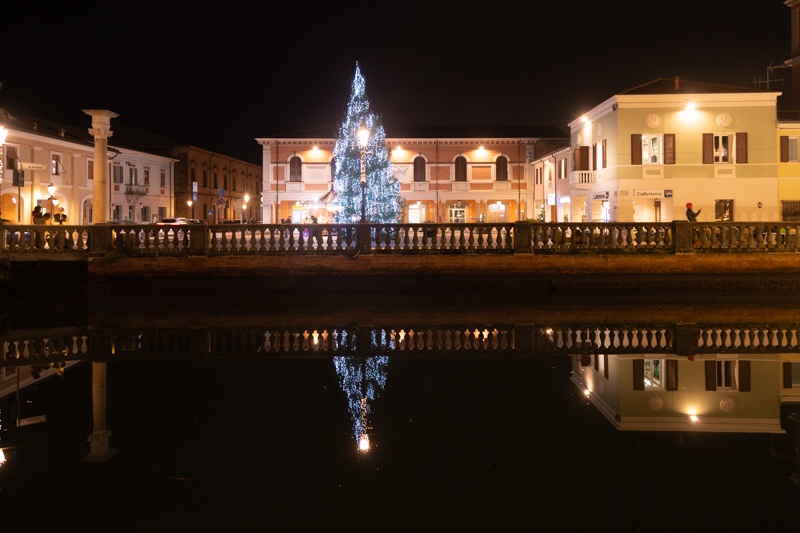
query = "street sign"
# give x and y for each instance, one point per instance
(221, 192)
(32, 420)
(32, 166)
(221, 200)
(194, 196)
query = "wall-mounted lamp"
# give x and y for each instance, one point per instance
(760, 205)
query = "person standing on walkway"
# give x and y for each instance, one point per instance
(691, 215)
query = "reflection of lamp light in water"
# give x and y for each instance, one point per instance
(363, 439)
(2, 456)
(362, 379)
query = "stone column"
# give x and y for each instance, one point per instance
(101, 131)
(99, 449)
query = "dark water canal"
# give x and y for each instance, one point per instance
(458, 440)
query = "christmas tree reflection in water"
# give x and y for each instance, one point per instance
(362, 379)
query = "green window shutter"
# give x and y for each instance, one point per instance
(784, 148)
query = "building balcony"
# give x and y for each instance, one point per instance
(136, 190)
(581, 179)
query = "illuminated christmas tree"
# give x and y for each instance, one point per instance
(383, 204)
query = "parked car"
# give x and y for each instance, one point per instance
(173, 221)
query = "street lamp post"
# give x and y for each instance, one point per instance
(363, 139)
(245, 213)
(190, 210)
(51, 189)
(3, 134)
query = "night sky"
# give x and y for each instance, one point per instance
(219, 75)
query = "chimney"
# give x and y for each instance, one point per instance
(677, 83)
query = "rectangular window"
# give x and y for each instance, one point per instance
(458, 213)
(538, 176)
(723, 146)
(162, 213)
(562, 169)
(56, 167)
(146, 178)
(604, 159)
(12, 159)
(653, 374)
(90, 169)
(163, 178)
(726, 375)
(723, 210)
(117, 171)
(651, 150)
(790, 210)
(789, 149)
(133, 176)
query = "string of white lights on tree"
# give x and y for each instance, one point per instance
(384, 204)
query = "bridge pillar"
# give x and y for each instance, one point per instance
(683, 237)
(522, 238)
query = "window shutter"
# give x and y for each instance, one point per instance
(741, 147)
(708, 148)
(636, 149)
(784, 148)
(787, 375)
(594, 156)
(582, 158)
(744, 376)
(605, 154)
(605, 365)
(672, 374)
(638, 374)
(669, 148)
(711, 375)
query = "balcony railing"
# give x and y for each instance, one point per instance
(579, 178)
(69, 242)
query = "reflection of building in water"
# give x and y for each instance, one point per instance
(725, 392)
(362, 379)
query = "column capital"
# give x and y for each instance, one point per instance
(101, 122)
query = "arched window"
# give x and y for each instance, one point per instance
(419, 168)
(295, 169)
(501, 168)
(461, 168)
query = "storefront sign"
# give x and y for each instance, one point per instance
(641, 193)
(600, 196)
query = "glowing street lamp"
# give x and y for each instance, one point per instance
(51, 189)
(363, 139)
(189, 203)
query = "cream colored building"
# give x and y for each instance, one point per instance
(52, 166)
(654, 148)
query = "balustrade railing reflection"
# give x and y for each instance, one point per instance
(93, 344)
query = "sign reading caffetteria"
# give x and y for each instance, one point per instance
(643, 193)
